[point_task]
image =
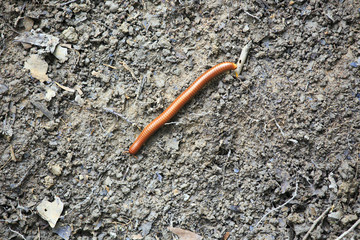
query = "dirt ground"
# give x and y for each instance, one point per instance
(259, 157)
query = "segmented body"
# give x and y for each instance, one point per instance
(179, 102)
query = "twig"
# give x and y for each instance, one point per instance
(4, 46)
(257, 18)
(126, 172)
(316, 222)
(349, 230)
(22, 236)
(101, 125)
(107, 65)
(120, 116)
(224, 167)
(141, 86)
(13, 157)
(276, 123)
(5, 163)
(170, 123)
(130, 70)
(65, 3)
(277, 208)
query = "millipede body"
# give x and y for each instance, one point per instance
(179, 102)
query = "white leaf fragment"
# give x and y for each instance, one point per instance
(50, 211)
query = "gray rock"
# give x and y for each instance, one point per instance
(349, 218)
(113, 7)
(3, 88)
(145, 228)
(335, 215)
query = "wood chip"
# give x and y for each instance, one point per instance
(43, 109)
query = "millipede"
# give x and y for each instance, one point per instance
(186, 96)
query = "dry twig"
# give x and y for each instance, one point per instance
(349, 230)
(141, 86)
(130, 70)
(20, 235)
(316, 222)
(253, 16)
(109, 110)
(13, 157)
(277, 208)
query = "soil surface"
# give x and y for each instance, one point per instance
(261, 156)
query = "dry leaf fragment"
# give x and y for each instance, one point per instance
(226, 236)
(50, 211)
(38, 67)
(184, 234)
(47, 41)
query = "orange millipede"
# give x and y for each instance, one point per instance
(179, 102)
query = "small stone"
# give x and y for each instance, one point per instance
(145, 228)
(124, 27)
(246, 28)
(318, 127)
(95, 213)
(153, 20)
(302, 98)
(56, 169)
(3, 88)
(172, 144)
(113, 7)
(186, 197)
(108, 181)
(164, 42)
(61, 54)
(51, 126)
(166, 52)
(79, 100)
(348, 219)
(70, 35)
(296, 218)
(125, 189)
(335, 215)
(299, 229)
(48, 181)
(175, 192)
(320, 97)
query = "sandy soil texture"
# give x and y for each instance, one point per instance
(273, 154)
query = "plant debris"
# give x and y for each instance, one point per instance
(50, 211)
